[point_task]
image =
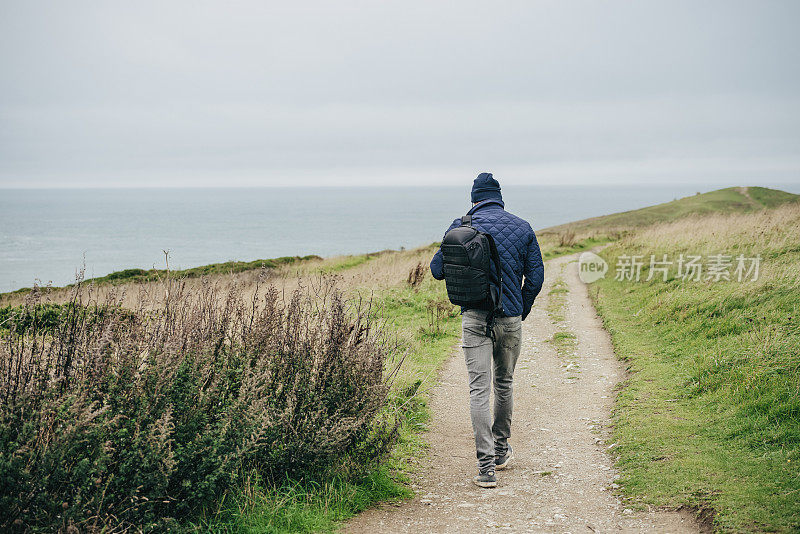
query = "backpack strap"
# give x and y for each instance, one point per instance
(466, 220)
(497, 266)
(498, 306)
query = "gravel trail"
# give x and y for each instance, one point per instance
(562, 479)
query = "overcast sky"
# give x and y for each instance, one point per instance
(174, 93)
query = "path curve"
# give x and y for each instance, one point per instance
(562, 479)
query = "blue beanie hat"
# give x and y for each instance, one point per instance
(485, 187)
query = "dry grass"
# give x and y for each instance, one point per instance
(729, 200)
(767, 230)
(381, 270)
(768, 233)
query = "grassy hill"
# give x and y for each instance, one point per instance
(587, 233)
(729, 200)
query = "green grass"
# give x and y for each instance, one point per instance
(233, 267)
(586, 234)
(771, 198)
(551, 251)
(710, 414)
(343, 263)
(428, 344)
(300, 506)
(557, 301)
(564, 342)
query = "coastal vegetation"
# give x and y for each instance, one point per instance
(116, 418)
(582, 235)
(127, 276)
(289, 394)
(710, 414)
(271, 400)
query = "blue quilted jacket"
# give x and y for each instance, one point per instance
(519, 255)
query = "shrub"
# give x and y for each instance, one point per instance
(114, 418)
(437, 310)
(416, 276)
(567, 238)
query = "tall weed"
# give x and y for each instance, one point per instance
(135, 418)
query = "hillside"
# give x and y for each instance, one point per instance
(710, 414)
(587, 233)
(729, 200)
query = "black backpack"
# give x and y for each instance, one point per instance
(469, 255)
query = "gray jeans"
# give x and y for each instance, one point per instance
(483, 357)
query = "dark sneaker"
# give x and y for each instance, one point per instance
(486, 480)
(501, 462)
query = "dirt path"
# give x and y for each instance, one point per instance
(745, 191)
(562, 479)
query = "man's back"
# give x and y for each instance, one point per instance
(519, 254)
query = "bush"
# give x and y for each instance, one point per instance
(114, 418)
(437, 310)
(417, 275)
(567, 239)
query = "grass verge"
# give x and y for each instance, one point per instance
(710, 414)
(295, 506)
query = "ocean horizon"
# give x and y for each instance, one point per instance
(48, 235)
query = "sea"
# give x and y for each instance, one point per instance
(48, 235)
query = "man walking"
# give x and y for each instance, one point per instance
(495, 350)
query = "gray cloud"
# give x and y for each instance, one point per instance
(258, 93)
